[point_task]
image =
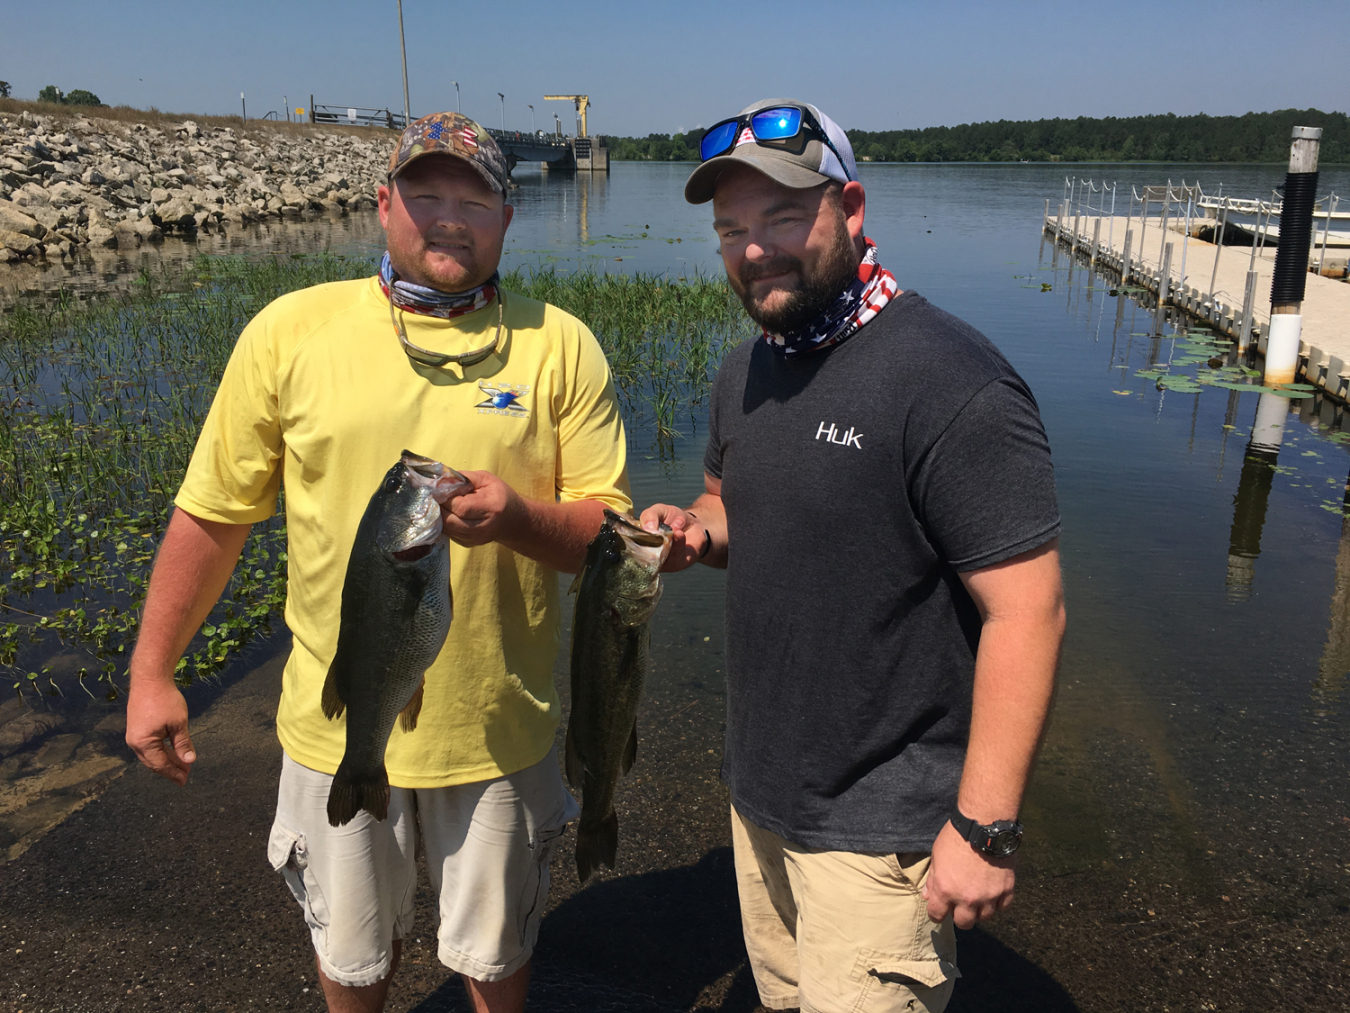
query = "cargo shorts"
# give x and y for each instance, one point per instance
(840, 931)
(487, 845)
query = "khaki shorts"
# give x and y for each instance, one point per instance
(840, 931)
(487, 845)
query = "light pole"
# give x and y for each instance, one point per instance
(458, 108)
(534, 129)
(557, 125)
(503, 98)
(404, 50)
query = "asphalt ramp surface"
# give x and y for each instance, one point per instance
(152, 897)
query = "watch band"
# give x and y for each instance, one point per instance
(999, 839)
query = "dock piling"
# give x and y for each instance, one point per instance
(1291, 258)
(1125, 258)
(1248, 308)
(1096, 240)
(1164, 288)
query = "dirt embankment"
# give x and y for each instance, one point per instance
(83, 179)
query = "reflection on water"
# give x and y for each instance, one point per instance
(103, 270)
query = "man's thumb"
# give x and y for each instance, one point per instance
(182, 745)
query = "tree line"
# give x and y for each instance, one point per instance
(1252, 137)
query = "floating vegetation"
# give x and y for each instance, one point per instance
(1205, 348)
(102, 404)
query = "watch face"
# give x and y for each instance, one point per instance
(1005, 842)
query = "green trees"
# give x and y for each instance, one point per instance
(80, 97)
(1252, 137)
(77, 97)
(4, 89)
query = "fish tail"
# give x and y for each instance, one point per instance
(597, 845)
(353, 791)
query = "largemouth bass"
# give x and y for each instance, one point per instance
(396, 614)
(617, 592)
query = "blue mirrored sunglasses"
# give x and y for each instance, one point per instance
(768, 126)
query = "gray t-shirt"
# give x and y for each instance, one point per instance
(858, 483)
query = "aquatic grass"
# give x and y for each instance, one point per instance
(102, 403)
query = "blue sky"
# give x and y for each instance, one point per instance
(663, 67)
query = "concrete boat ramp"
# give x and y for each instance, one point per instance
(1225, 287)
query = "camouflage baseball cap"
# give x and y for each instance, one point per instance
(451, 134)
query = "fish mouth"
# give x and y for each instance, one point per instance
(435, 484)
(649, 547)
(444, 481)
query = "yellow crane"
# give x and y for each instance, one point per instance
(579, 101)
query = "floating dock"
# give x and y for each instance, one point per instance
(1225, 287)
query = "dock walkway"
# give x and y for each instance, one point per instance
(1324, 352)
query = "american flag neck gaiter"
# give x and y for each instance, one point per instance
(862, 300)
(432, 302)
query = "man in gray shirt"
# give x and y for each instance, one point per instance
(894, 608)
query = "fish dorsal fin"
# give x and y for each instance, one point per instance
(407, 718)
(630, 751)
(331, 701)
(575, 767)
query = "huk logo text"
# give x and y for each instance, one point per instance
(834, 435)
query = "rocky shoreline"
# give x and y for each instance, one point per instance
(72, 182)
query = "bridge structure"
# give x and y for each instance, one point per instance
(552, 151)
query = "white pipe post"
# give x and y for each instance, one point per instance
(1218, 248)
(1185, 241)
(1111, 229)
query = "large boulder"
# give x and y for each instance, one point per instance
(19, 243)
(65, 194)
(174, 214)
(99, 234)
(14, 219)
(293, 196)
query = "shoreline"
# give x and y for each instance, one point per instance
(77, 181)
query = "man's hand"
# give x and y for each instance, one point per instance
(700, 532)
(491, 512)
(157, 729)
(964, 883)
(688, 534)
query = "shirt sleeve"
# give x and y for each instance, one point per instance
(235, 472)
(592, 462)
(985, 492)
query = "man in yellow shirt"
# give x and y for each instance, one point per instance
(324, 390)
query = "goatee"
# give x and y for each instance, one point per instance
(814, 293)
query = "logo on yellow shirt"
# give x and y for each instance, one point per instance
(503, 399)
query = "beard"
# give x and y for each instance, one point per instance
(814, 292)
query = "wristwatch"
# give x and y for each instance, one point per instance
(998, 840)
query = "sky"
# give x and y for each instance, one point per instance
(661, 67)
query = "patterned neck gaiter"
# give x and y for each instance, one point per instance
(860, 302)
(433, 302)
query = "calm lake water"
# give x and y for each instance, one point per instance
(1198, 741)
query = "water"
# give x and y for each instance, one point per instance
(1193, 784)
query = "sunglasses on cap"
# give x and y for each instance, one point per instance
(771, 128)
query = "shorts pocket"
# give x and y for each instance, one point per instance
(891, 984)
(289, 855)
(286, 849)
(543, 841)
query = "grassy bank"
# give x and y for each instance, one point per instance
(103, 403)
